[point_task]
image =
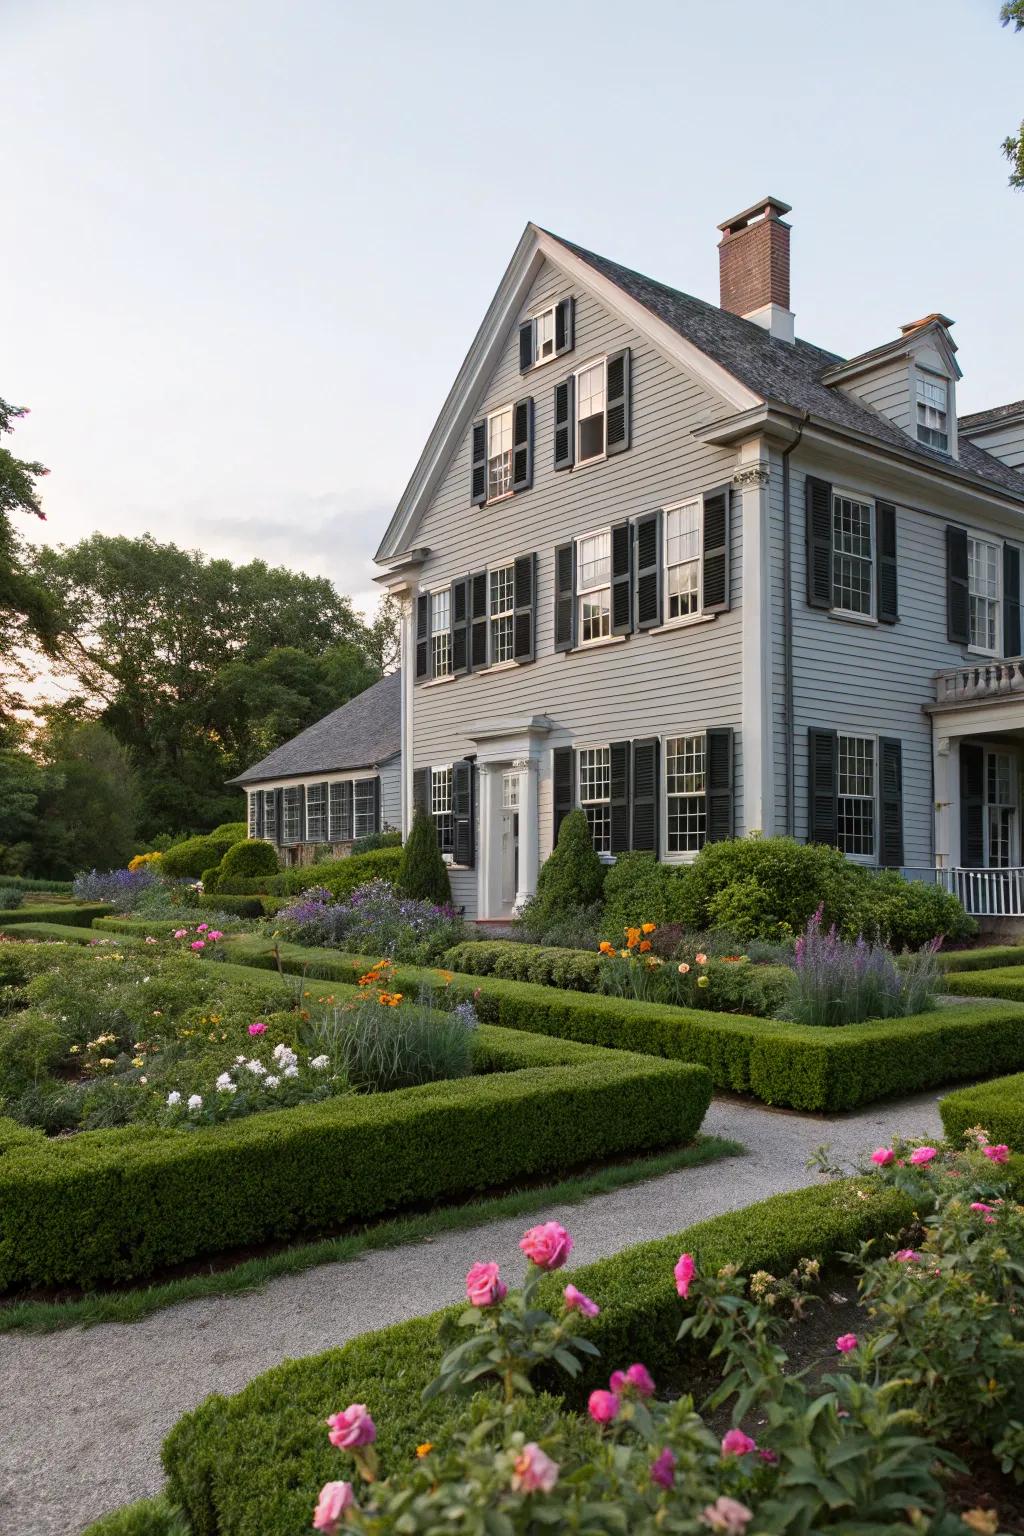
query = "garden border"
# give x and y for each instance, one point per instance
(998, 1106)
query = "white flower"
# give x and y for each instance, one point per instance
(256, 1068)
(291, 1071)
(239, 1061)
(285, 1055)
(173, 1098)
(196, 1101)
(224, 1083)
(272, 1082)
(318, 1063)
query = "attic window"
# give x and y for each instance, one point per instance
(933, 412)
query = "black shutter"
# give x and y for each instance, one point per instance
(1011, 600)
(958, 605)
(819, 542)
(478, 477)
(522, 444)
(718, 785)
(972, 805)
(890, 801)
(618, 423)
(888, 604)
(648, 571)
(460, 626)
(565, 326)
(422, 636)
(421, 790)
(563, 787)
(619, 754)
(565, 423)
(463, 839)
(524, 600)
(526, 331)
(645, 796)
(622, 580)
(478, 620)
(565, 597)
(716, 550)
(822, 786)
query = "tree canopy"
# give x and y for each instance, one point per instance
(26, 615)
(1012, 14)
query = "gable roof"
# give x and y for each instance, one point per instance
(991, 417)
(361, 734)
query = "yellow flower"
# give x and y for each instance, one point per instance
(137, 1061)
(75, 1049)
(985, 1522)
(424, 1449)
(624, 953)
(648, 927)
(703, 981)
(106, 1061)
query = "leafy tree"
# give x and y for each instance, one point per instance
(1012, 13)
(570, 879)
(87, 813)
(26, 613)
(423, 873)
(386, 634)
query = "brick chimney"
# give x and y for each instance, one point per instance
(753, 265)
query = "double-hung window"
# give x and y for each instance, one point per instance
(591, 403)
(852, 554)
(544, 335)
(499, 453)
(595, 788)
(441, 806)
(501, 600)
(292, 817)
(682, 559)
(933, 411)
(685, 792)
(254, 814)
(270, 815)
(340, 814)
(365, 807)
(983, 585)
(441, 632)
(316, 813)
(857, 789)
(593, 586)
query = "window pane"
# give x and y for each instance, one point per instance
(337, 831)
(499, 453)
(595, 774)
(594, 561)
(684, 788)
(441, 806)
(316, 813)
(365, 804)
(983, 587)
(856, 782)
(270, 815)
(851, 554)
(590, 403)
(545, 333)
(253, 811)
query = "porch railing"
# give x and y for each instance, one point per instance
(981, 680)
(983, 892)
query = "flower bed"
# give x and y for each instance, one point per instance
(374, 918)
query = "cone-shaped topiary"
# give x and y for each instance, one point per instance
(422, 873)
(571, 878)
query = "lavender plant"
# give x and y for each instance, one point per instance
(124, 889)
(838, 982)
(374, 919)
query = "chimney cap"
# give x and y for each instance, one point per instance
(765, 207)
(916, 325)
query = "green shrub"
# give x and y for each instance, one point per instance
(30, 883)
(50, 932)
(148, 1517)
(252, 857)
(187, 860)
(638, 889)
(231, 832)
(998, 1106)
(374, 840)
(381, 1048)
(577, 970)
(1003, 981)
(905, 914)
(767, 887)
(209, 878)
(572, 877)
(423, 873)
(982, 959)
(67, 915)
(10, 898)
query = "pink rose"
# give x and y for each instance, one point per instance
(882, 1155)
(979, 1205)
(638, 1377)
(197, 944)
(548, 1246)
(736, 1443)
(997, 1154)
(602, 1407)
(684, 1273)
(334, 1500)
(846, 1342)
(663, 1469)
(701, 959)
(179, 933)
(922, 1155)
(727, 1515)
(214, 934)
(484, 1286)
(771, 1458)
(907, 1256)
(575, 1301)
(259, 1028)
(533, 1472)
(352, 1428)
(201, 927)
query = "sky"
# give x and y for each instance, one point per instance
(248, 243)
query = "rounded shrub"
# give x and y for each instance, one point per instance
(637, 889)
(210, 878)
(767, 887)
(423, 873)
(251, 857)
(236, 831)
(572, 877)
(188, 859)
(908, 913)
(374, 840)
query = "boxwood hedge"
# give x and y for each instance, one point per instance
(255, 1461)
(1002, 981)
(997, 1105)
(118, 1204)
(982, 959)
(79, 916)
(62, 932)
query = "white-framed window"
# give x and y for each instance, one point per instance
(685, 791)
(594, 586)
(510, 781)
(441, 632)
(501, 602)
(441, 806)
(499, 453)
(254, 815)
(591, 409)
(364, 800)
(1001, 771)
(316, 813)
(544, 335)
(853, 587)
(270, 815)
(594, 773)
(292, 815)
(984, 582)
(858, 789)
(933, 411)
(682, 558)
(339, 814)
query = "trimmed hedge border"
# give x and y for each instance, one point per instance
(957, 960)
(52, 932)
(121, 1204)
(795, 1065)
(1003, 982)
(998, 1106)
(255, 1461)
(68, 916)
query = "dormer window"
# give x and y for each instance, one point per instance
(933, 411)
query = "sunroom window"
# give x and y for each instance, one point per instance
(365, 801)
(316, 813)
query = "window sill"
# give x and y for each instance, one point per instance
(596, 645)
(602, 458)
(500, 666)
(438, 682)
(841, 616)
(687, 623)
(495, 501)
(975, 650)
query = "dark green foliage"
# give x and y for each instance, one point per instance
(10, 898)
(905, 914)
(339, 876)
(984, 958)
(209, 878)
(249, 857)
(30, 883)
(572, 877)
(423, 873)
(1002, 981)
(67, 915)
(149, 1517)
(188, 859)
(998, 1106)
(121, 1204)
(256, 1461)
(638, 889)
(50, 931)
(576, 970)
(374, 840)
(237, 831)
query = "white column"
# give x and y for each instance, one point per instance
(488, 856)
(946, 788)
(751, 480)
(408, 654)
(529, 830)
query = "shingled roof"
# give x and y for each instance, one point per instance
(787, 373)
(361, 734)
(990, 418)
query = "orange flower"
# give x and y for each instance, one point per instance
(606, 948)
(648, 927)
(424, 1449)
(632, 937)
(701, 959)
(683, 968)
(645, 945)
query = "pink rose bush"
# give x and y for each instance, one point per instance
(577, 1302)
(533, 1471)
(547, 1246)
(484, 1285)
(335, 1499)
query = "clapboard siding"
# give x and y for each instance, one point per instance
(777, 599)
(391, 793)
(1007, 443)
(886, 390)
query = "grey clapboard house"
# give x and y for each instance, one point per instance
(336, 781)
(665, 561)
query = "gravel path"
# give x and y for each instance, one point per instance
(83, 1412)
